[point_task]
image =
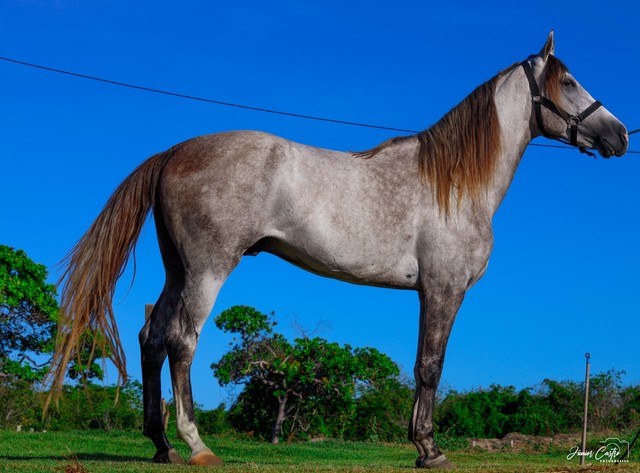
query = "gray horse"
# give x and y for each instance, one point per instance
(413, 213)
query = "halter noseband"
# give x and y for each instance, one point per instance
(573, 121)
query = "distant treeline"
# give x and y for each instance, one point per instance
(552, 407)
(380, 414)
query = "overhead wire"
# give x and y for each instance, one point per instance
(203, 99)
(240, 106)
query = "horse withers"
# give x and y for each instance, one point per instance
(413, 213)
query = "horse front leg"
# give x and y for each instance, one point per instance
(153, 353)
(438, 310)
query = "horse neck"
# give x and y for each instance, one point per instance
(513, 104)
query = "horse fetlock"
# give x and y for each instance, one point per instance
(170, 456)
(440, 462)
(430, 454)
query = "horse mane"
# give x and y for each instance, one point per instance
(461, 149)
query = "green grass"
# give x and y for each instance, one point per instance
(130, 452)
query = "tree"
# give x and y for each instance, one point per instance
(553, 407)
(383, 412)
(482, 413)
(304, 379)
(28, 317)
(28, 311)
(91, 406)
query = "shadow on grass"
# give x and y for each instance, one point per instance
(78, 456)
(111, 458)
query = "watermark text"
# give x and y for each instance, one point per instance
(612, 450)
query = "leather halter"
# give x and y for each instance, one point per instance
(573, 121)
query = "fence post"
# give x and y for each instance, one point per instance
(586, 406)
(148, 308)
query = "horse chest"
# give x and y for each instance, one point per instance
(456, 251)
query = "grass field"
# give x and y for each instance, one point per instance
(76, 452)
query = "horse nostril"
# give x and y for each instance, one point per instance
(624, 136)
(624, 141)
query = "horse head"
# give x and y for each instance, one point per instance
(565, 111)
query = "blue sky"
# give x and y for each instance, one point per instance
(562, 279)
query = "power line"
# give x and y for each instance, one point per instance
(236, 105)
(202, 99)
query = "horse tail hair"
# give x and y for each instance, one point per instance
(86, 321)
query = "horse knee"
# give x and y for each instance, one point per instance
(421, 432)
(152, 348)
(427, 371)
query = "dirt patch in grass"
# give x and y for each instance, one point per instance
(527, 443)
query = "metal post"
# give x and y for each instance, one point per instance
(586, 406)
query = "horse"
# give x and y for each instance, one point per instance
(413, 213)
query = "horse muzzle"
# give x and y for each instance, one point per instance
(612, 144)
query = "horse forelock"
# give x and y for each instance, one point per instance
(551, 79)
(460, 151)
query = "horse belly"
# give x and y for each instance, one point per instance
(373, 268)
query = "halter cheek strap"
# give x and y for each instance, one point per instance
(573, 121)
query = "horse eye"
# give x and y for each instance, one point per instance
(568, 82)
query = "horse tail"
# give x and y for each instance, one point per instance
(91, 269)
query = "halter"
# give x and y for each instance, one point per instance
(573, 121)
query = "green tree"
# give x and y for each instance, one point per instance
(28, 317)
(252, 412)
(20, 404)
(566, 401)
(553, 407)
(91, 406)
(213, 421)
(28, 311)
(482, 413)
(533, 416)
(306, 378)
(605, 400)
(630, 411)
(383, 411)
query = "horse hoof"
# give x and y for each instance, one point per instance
(170, 456)
(438, 462)
(205, 457)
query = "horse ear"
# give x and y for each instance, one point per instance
(548, 48)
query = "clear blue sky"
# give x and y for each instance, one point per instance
(563, 277)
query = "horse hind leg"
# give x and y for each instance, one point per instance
(196, 302)
(153, 353)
